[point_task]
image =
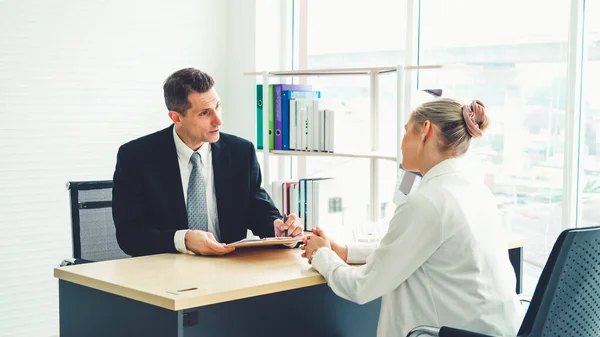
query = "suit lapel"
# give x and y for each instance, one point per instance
(171, 176)
(221, 159)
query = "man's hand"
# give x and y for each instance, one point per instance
(204, 243)
(293, 225)
(322, 240)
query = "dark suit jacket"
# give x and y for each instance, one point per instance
(148, 203)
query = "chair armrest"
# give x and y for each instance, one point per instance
(67, 262)
(71, 261)
(525, 301)
(444, 331)
(424, 330)
(524, 298)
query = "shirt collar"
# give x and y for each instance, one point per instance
(451, 165)
(185, 153)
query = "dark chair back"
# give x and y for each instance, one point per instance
(566, 301)
(93, 229)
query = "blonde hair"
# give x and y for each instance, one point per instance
(458, 123)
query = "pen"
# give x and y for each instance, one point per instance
(285, 233)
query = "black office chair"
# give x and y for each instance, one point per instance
(93, 229)
(566, 301)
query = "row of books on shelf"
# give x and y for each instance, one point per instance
(298, 120)
(315, 200)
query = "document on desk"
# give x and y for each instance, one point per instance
(257, 242)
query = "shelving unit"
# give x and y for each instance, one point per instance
(370, 155)
(374, 155)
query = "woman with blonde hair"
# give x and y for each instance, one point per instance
(444, 259)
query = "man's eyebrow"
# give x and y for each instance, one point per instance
(208, 108)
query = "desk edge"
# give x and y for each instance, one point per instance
(115, 289)
(186, 301)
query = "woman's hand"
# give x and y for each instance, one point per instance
(319, 239)
(312, 243)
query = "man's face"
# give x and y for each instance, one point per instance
(202, 121)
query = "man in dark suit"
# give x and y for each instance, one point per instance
(189, 187)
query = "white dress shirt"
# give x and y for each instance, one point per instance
(184, 153)
(443, 261)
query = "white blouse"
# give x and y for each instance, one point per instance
(443, 261)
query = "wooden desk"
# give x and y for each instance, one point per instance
(251, 292)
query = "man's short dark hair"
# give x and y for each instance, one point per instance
(181, 83)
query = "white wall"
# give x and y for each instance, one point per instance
(77, 79)
(239, 105)
(273, 35)
(255, 42)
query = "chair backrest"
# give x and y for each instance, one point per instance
(566, 301)
(93, 229)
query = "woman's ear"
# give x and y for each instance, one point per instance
(425, 130)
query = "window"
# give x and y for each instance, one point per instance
(521, 77)
(589, 206)
(366, 35)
